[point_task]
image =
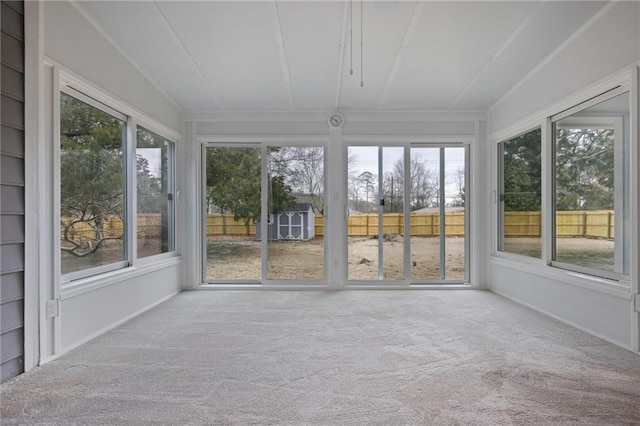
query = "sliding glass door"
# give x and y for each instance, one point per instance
(263, 214)
(427, 198)
(264, 223)
(295, 205)
(232, 196)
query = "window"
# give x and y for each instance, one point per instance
(520, 195)
(92, 186)
(591, 187)
(154, 194)
(98, 178)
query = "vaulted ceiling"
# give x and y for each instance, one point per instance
(297, 55)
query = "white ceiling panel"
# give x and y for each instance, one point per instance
(450, 46)
(234, 45)
(384, 25)
(547, 30)
(290, 55)
(137, 30)
(312, 33)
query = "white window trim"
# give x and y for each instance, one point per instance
(626, 80)
(65, 81)
(89, 272)
(407, 143)
(617, 123)
(173, 213)
(499, 205)
(261, 143)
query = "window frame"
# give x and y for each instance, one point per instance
(622, 192)
(67, 83)
(171, 190)
(128, 261)
(499, 193)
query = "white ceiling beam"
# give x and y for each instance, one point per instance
(406, 40)
(351, 116)
(284, 65)
(507, 43)
(164, 21)
(595, 18)
(343, 41)
(124, 53)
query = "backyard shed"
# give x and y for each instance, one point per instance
(295, 223)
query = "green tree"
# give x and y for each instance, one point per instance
(522, 172)
(150, 189)
(91, 175)
(234, 184)
(584, 169)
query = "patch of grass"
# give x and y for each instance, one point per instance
(602, 260)
(218, 249)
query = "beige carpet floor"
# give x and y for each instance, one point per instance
(334, 358)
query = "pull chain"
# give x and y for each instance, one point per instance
(351, 35)
(361, 44)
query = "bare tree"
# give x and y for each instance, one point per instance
(303, 170)
(458, 181)
(367, 183)
(423, 183)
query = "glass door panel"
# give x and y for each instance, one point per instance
(376, 213)
(424, 204)
(393, 212)
(295, 184)
(232, 202)
(362, 226)
(454, 197)
(438, 213)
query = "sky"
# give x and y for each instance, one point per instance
(366, 159)
(154, 157)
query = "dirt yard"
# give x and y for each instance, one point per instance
(239, 258)
(587, 252)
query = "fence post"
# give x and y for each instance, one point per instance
(367, 222)
(609, 225)
(584, 224)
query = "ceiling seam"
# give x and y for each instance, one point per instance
(595, 18)
(408, 35)
(181, 46)
(343, 40)
(284, 65)
(507, 43)
(128, 57)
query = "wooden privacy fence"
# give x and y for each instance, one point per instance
(591, 224)
(583, 223)
(359, 225)
(588, 224)
(149, 226)
(421, 224)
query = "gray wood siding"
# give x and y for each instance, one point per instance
(12, 191)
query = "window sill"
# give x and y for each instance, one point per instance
(619, 289)
(86, 285)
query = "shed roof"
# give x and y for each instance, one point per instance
(299, 207)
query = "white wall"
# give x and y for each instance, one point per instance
(72, 41)
(88, 307)
(86, 314)
(608, 47)
(605, 46)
